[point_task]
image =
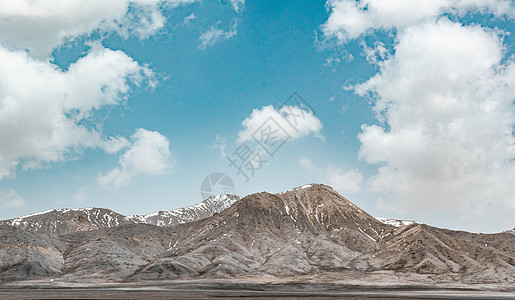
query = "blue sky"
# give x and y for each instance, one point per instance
(135, 99)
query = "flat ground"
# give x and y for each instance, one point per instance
(246, 290)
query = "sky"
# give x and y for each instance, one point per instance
(406, 108)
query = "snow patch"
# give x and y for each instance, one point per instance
(213, 204)
(306, 186)
(395, 222)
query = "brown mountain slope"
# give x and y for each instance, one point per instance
(423, 249)
(28, 255)
(295, 232)
(306, 232)
(62, 221)
(311, 230)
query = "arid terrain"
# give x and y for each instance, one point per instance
(306, 241)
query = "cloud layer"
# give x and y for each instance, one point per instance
(42, 26)
(149, 154)
(448, 103)
(44, 111)
(47, 113)
(444, 99)
(350, 19)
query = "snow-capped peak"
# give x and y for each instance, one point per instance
(57, 222)
(204, 209)
(395, 222)
(302, 187)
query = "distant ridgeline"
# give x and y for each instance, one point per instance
(306, 232)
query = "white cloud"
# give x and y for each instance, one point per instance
(10, 199)
(447, 144)
(220, 144)
(290, 122)
(350, 19)
(44, 110)
(41, 26)
(148, 155)
(344, 181)
(189, 18)
(376, 53)
(237, 5)
(332, 61)
(444, 98)
(214, 34)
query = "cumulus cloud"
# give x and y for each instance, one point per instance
(345, 181)
(45, 111)
(215, 34)
(10, 199)
(350, 19)
(446, 98)
(41, 26)
(289, 122)
(148, 155)
(444, 101)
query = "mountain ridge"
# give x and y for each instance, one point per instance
(58, 222)
(310, 233)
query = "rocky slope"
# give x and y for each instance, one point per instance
(26, 254)
(62, 221)
(307, 232)
(58, 222)
(204, 209)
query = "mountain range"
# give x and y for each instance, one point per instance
(306, 233)
(58, 222)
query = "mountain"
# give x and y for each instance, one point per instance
(309, 233)
(304, 230)
(27, 254)
(204, 209)
(58, 222)
(62, 221)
